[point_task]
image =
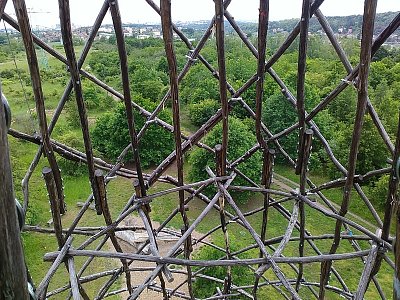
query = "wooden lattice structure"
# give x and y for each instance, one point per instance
(270, 247)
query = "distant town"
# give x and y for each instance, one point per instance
(348, 26)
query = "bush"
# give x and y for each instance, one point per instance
(240, 140)
(379, 191)
(69, 167)
(200, 112)
(241, 275)
(111, 135)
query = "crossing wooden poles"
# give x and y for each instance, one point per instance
(23, 20)
(362, 88)
(291, 280)
(166, 21)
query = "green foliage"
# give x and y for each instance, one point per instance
(95, 97)
(372, 152)
(199, 85)
(279, 114)
(200, 112)
(149, 83)
(241, 275)
(379, 190)
(110, 135)
(105, 65)
(68, 167)
(240, 140)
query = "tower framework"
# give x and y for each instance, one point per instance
(272, 270)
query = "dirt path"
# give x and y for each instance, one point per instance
(138, 277)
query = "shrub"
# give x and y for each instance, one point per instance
(241, 275)
(200, 112)
(379, 191)
(111, 135)
(240, 140)
(69, 167)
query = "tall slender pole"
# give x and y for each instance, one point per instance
(166, 20)
(13, 278)
(365, 60)
(219, 25)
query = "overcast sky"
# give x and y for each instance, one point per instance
(84, 12)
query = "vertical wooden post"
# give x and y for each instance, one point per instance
(307, 141)
(220, 33)
(301, 75)
(362, 88)
(13, 279)
(220, 169)
(54, 204)
(25, 29)
(266, 180)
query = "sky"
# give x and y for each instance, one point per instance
(83, 12)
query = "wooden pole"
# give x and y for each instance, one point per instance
(23, 20)
(13, 277)
(219, 169)
(220, 32)
(262, 46)
(166, 21)
(307, 140)
(365, 59)
(266, 181)
(301, 77)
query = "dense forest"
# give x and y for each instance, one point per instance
(199, 99)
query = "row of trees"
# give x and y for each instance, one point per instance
(200, 98)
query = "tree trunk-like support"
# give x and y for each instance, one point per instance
(13, 278)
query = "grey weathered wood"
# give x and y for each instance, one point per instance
(104, 209)
(255, 236)
(221, 200)
(305, 156)
(42, 288)
(284, 241)
(116, 17)
(369, 264)
(73, 279)
(301, 76)
(220, 36)
(266, 181)
(165, 6)
(50, 256)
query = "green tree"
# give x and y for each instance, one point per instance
(200, 112)
(110, 135)
(372, 152)
(379, 190)
(279, 114)
(240, 140)
(148, 83)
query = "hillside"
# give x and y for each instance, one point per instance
(338, 23)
